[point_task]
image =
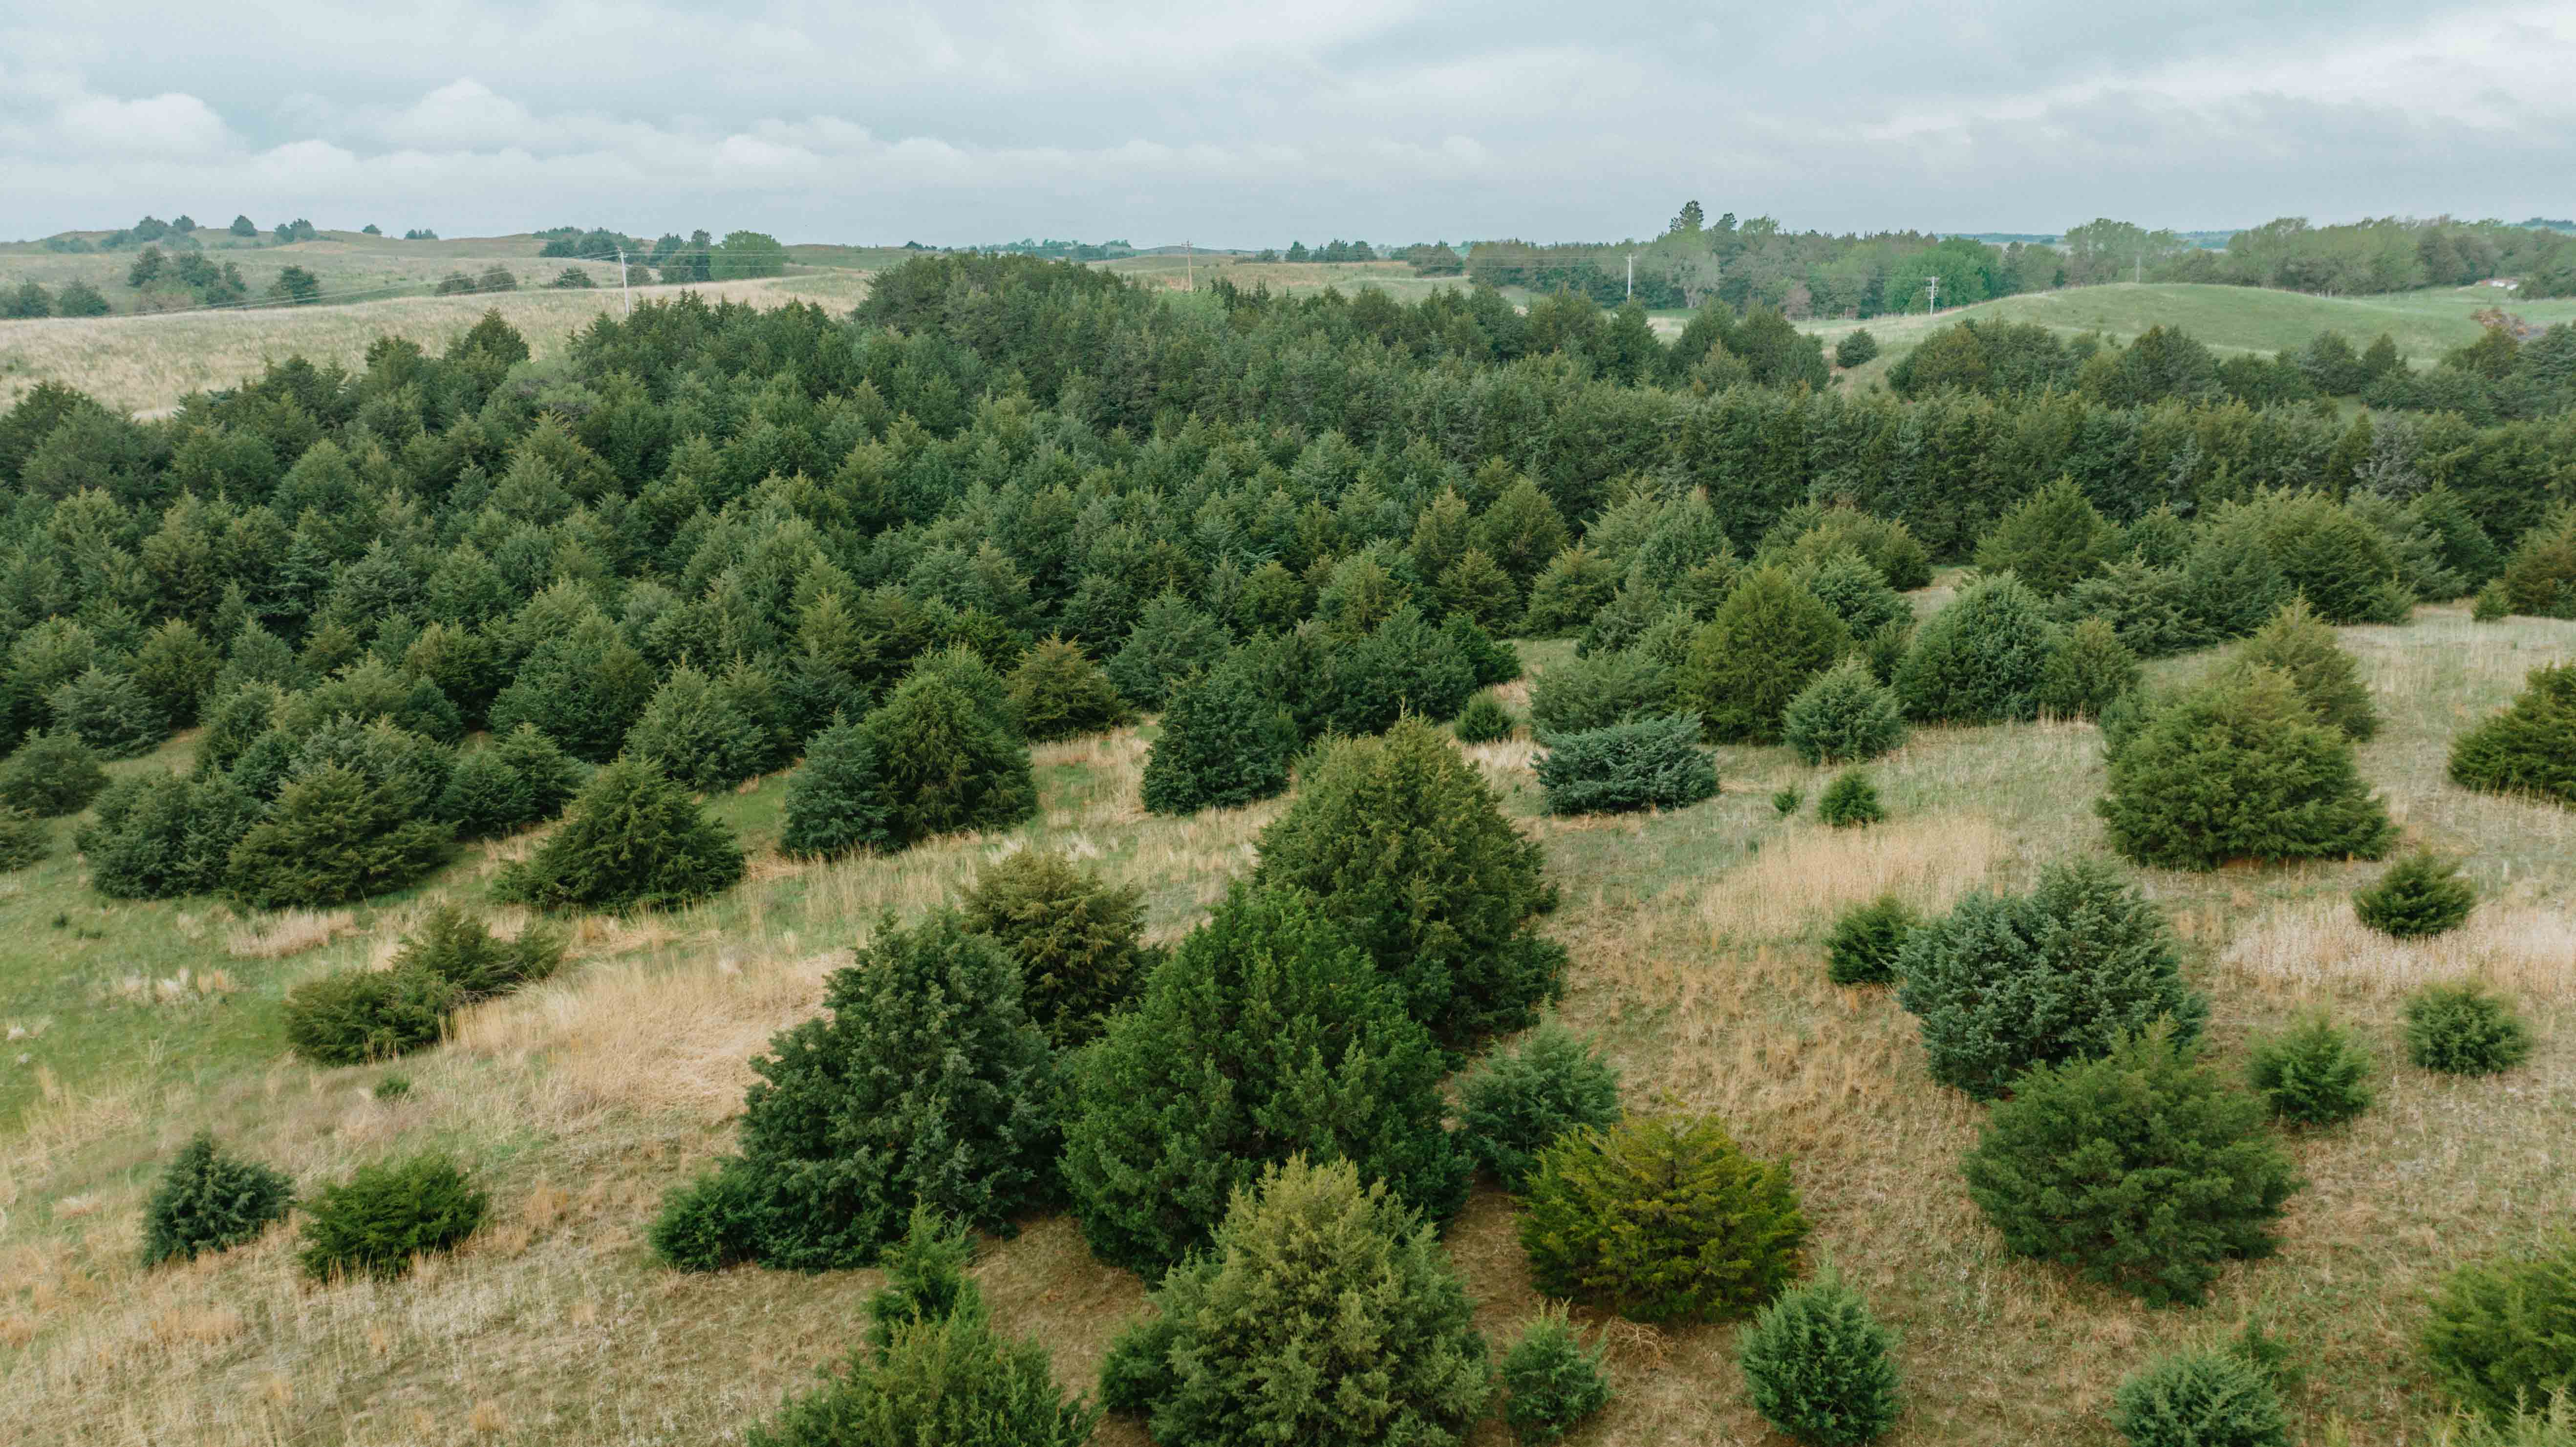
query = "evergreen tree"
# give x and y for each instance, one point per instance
(632, 839)
(2240, 769)
(2497, 1336)
(1767, 641)
(2312, 1073)
(1662, 1220)
(1845, 716)
(1224, 743)
(110, 712)
(174, 667)
(1059, 693)
(519, 779)
(2200, 1399)
(2065, 972)
(211, 1201)
(1815, 1364)
(333, 836)
(1403, 666)
(836, 799)
(1403, 844)
(1648, 763)
(1266, 1034)
(24, 840)
(1597, 691)
(1078, 939)
(1324, 1313)
(926, 1083)
(1551, 1381)
(2137, 1168)
(1868, 940)
(695, 733)
(1172, 641)
(2539, 578)
(387, 1215)
(157, 836)
(946, 762)
(2089, 668)
(1853, 587)
(51, 774)
(2053, 540)
(2530, 747)
(2422, 894)
(1518, 1102)
(1982, 659)
(2304, 650)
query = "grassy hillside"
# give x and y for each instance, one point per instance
(1697, 941)
(351, 265)
(147, 363)
(2424, 324)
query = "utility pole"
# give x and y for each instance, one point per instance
(1933, 285)
(2138, 277)
(1632, 276)
(1190, 264)
(624, 283)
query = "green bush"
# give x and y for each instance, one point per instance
(1857, 348)
(1815, 1364)
(2491, 604)
(1849, 585)
(925, 1083)
(1845, 717)
(1404, 845)
(1650, 763)
(1324, 1314)
(2299, 644)
(2499, 1337)
(2150, 609)
(1404, 666)
(1489, 661)
(1765, 643)
(2539, 578)
(110, 712)
(210, 1201)
(1785, 802)
(1484, 720)
(2421, 894)
(1224, 742)
(1059, 693)
(1982, 659)
(1171, 642)
(1662, 1220)
(1551, 1381)
(355, 1017)
(2066, 972)
(457, 947)
(2311, 1073)
(2052, 540)
(2530, 747)
(1575, 585)
(51, 774)
(1850, 800)
(1518, 1102)
(384, 1215)
(2199, 1399)
(24, 840)
(334, 836)
(1078, 939)
(519, 779)
(1867, 940)
(2240, 769)
(157, 836)
(946, 763)
(1598, 691)
(1814, 531)
(2461, 1029)
(632, 839)
(2138, 1169)
(696, 732)
(836, 800)
(2090, 668)
(1267, 1033)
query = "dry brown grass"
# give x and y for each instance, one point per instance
(290, 932)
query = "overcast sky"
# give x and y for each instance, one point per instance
(1235, 124)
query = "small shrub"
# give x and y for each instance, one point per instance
(1845, 717)
(375, 1222)
(1598, 691)
(24, 840)
(2498, 1336)
(2090, 668)
(1484, 720)
(1787, 802)
(51, 774)
(353, 1017)
(2064, 972)
(1318, 1280)
(393, 1087)
(2461, 1029)
(2240, 769)
(211, 1201)
(631, 840)
(1662, 1220)
(2420, 895)
(1850, 800)
(454, 946)
(1867, 940)
(1059, 693)
(2312, 1074)
(1078, 939)
(2528, 747)
(2086, 1166)
(1652, 763)
(1551, 1381)
(1225, 742)
(2200, 1399)
(1518, 1102)
(2492, 603)
(1815, 1364)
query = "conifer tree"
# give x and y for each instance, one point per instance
(2530, 747)
(696, 734)
(2053, 540)
(333, 836)
(2240, 769)
(1982, 659)
(946, 761)
(110, 712)
(2298, 644)
(1815, 1364)
(1844, 716)
(51, 774)
(2089, 668)
(1078, 938)
(1171, 642)
(1059, 693)
(1768, 640)
(631, 839)
(1224, 742)
(209, 1200)
(1660, 1219)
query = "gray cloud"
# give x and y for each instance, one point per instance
(1240, 124)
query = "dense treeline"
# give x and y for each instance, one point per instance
(2374, 255)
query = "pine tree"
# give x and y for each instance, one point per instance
(2312, 1073)
(51, 774)
(333, 836)
(925, 1083)
(1403, 844)
(1317, 1280)
(2530, 747)
(2240, 769)
(947, 762)
(1551, 1381)
(1647, 763)
(1171, 642)
(2089, 668)
(211, 1201)
(2497, 1335)
(157, 836)
(1059, 693)
(1662, 1220)
(1224, 742)
(2539, 578)
(2066, 972)
(695, 733)
(520, 779)
(836, 799)
(2200, 1399)
(1518, 1102)
(1868, 939)
(1981, 659)
(1078, 939)
(2053, 540)
(2422, 894)
(110, 712)
(1267, 1033)
(2304, 650)
(631, 839)
(1844, 716)
(1767, 641)
(1815, 1365)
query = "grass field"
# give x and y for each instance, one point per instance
(1696, 938)
(1294, 278)
(147, 363)
(351, 265)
